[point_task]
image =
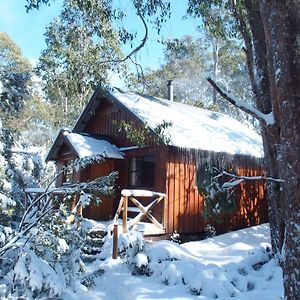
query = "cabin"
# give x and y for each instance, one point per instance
(164, 146)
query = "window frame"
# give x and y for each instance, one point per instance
(145, 176)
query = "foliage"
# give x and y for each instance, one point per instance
(15, 73)
(142, 135)
(216, 16)
(162, 131)
(188, 62)
(41, 253)
(139, 136)
(51, 261)
(34, 125)
(210, 231)
(78, 56)
(218, 200)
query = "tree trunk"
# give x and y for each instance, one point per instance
(281, 23)
(215, 66)
(264, 96)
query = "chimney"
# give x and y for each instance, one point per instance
(170, 90)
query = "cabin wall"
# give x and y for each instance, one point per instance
(185, 203)
(103, 211)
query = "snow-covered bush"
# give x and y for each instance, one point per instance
(50, 260)
(129, 244)
(45, 260)
(210, 231)
(41, 254)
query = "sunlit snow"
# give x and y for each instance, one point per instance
(194, 127)
(89, 146)
(225, 267)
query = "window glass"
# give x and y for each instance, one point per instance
(141, 171)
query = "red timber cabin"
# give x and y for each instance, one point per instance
(192, 137)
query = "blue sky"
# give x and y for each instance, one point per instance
(27, 29)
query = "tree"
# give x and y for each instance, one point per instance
(72, 65)
(15, 74)
(40, 255)
(187, 63)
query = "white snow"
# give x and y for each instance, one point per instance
(268, 118)
(141, 193)
(5, 201)
(223, 267)
(194, 127)
(89, 146)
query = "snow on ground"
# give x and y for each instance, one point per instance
(236, 265)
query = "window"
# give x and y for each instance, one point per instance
(68, 173)
(141, 171)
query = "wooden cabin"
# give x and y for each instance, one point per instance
(161, 145)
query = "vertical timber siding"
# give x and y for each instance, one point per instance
(185, 203)
(105, 122)
(103, 211)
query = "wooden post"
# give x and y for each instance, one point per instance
(115, 242)
(165, 207)
(79, 213)
(125, 212)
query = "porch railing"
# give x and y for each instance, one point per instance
(141, 210)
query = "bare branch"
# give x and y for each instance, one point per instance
(135, 50)
(39, 198)
(266, 119)
(242, 178)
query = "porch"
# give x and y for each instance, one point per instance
(135, 208)
(141, 211)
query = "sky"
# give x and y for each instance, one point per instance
(27, 29)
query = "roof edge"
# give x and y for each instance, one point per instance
(98, 93)
(101, 93)
(55, 144)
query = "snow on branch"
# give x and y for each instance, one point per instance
(239, 179)
(267, 119)
(38, 209)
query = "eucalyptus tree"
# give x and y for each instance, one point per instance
(15, 72)
(81, 43)
(15, 90)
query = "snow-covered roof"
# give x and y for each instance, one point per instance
(193, 127)
(83, 145)
(88, 146)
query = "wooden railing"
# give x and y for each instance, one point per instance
(141, 210)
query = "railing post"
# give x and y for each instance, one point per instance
(125, 213)
(115, 242)
(164, 212)
(79, 213)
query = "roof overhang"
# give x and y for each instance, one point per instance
(82, 145)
